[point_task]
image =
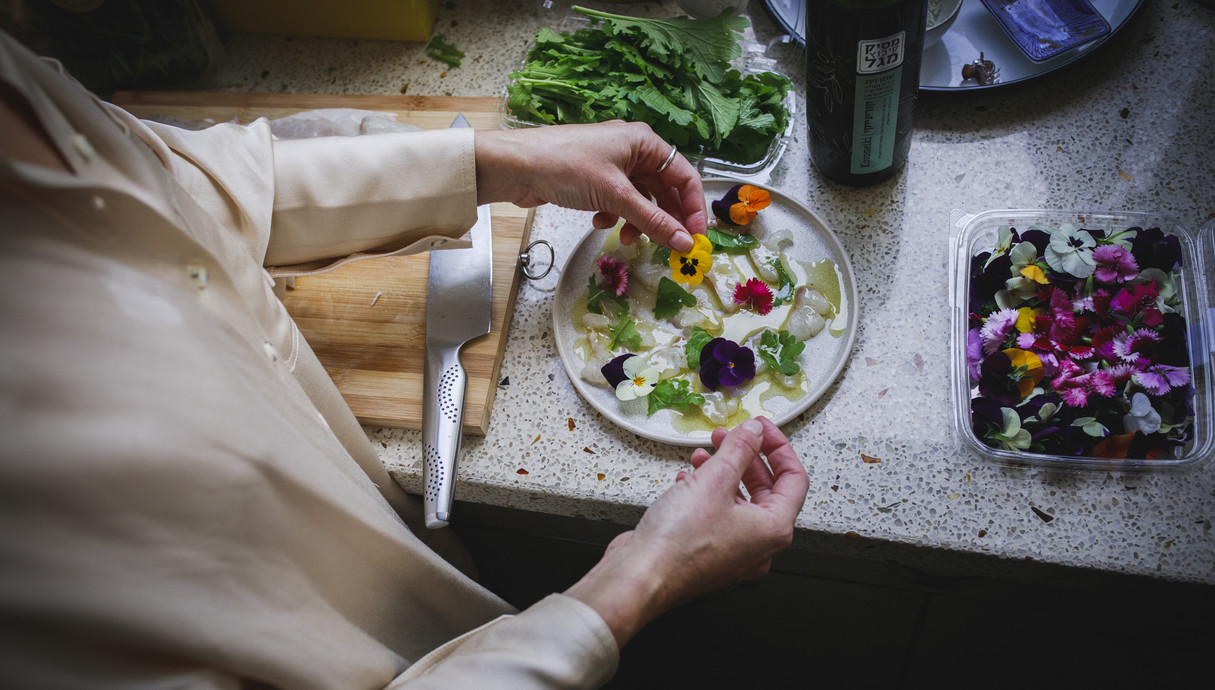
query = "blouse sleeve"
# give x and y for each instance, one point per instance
(557, 643)
(308, 205)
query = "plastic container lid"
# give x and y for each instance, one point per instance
(973, 235)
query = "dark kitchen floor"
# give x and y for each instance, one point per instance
(818, 621)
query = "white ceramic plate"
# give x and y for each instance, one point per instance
(823, 359)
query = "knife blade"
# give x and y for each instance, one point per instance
(459, 301)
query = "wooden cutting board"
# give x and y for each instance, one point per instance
(366, 320)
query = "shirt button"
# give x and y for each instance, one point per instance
(198, 275)
(270, 351)
(83, 146)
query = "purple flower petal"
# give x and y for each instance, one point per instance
(974, 352)
(1114, 264)
(1153, 382)
(721, 207)
(613, 371)
(740, 368)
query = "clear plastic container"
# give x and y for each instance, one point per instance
(752, 61)
(972, 235)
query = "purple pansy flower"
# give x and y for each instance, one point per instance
(725, 363)
(1154, 249)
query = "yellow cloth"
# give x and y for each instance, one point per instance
(185, 499)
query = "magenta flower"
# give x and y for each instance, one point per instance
(1076, 397)
(1062, 316)
(996, 329)
(1135, 298)
(1102, 383)
(1129, 348)
(756, 294)
(616, 274)
(1115, 264)
(1158, 379)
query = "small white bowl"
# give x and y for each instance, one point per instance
(941, 15)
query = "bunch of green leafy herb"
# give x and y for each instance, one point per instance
(673, 74)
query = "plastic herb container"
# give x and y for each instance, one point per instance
(1059, 431)
(751, 62)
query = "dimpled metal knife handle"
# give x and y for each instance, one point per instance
(443, 412)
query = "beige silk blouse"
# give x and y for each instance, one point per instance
(185, 499)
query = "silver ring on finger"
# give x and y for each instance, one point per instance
(670, 157)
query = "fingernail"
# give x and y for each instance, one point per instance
(754, 427)
(681, 241)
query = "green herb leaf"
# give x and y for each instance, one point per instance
(439, 49)
(731, 244)
(671, 298)
(596, 295)
(624, 333)
(780, 350)
(662, 256)
(673, 394)
(784, 293)
(673, 74)
(695, 344)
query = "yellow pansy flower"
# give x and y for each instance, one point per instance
(1026, 318)
(690, 267)
(1033, 369)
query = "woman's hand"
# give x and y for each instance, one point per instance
(611, 168)
(702, 534)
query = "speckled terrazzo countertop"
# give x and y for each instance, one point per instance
(1129, 128)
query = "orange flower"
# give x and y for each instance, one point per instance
(741, 204)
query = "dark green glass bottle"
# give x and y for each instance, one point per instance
(862, 77)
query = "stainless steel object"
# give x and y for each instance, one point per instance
(459, 299)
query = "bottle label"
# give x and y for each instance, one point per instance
(875, 120)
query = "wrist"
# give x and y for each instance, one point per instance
(626, 589)
(498, 167)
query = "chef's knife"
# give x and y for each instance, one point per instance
(459, 298)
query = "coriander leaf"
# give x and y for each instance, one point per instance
(596, 295)
(731, 244)
(695, 344)
(673, 394)
(671, 298)
(624, 333)
(780, 351)
(784, 293)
